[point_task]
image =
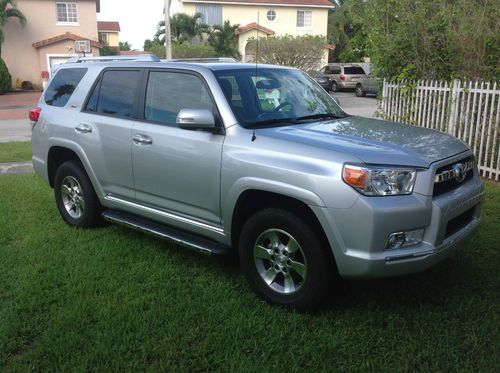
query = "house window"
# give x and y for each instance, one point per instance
(211, 14)
(271, 15)
(67, 13)
(103, 38)
(304, 18)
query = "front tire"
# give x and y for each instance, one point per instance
(283, 259)
(75, 197)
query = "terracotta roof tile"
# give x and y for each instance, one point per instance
(108, 26)
(62, 37)
(254, 26)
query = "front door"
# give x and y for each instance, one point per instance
(176, 170)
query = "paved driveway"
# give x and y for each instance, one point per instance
(362, 106)
(14, 122)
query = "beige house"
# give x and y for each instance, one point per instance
(55, 31)
(262, 17)
(108, 33)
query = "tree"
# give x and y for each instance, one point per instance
(5, 79)
(441, 39)
(184, 28)
(303, 52)
(124, 46)
(346, 31)
(8, 10)
(223, 40)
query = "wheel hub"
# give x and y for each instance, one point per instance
(72, 197)
(280, 261)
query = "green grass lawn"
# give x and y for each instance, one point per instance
(15, 151)
(115, 299)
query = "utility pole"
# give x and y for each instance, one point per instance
(168, 38)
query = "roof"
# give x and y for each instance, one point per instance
(254, 26)
(62, 37)
(108, 26)
(300, 3)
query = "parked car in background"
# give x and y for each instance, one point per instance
(369, 85)
(334, 77)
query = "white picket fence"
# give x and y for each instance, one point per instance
(467, 110)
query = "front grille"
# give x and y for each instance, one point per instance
(444, 181)
(455, 224)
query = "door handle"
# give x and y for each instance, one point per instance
(83, 128)
(142, 140)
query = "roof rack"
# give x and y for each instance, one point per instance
(138, 58)
(204, 59)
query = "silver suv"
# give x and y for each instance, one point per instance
(262, 161)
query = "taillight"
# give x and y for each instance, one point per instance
(342, 77)
(35, 114)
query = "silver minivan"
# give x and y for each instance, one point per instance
(342, 76)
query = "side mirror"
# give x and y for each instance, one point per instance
(194, 119)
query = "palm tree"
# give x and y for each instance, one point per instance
(183, 28)
(223, 40)
(8, 10)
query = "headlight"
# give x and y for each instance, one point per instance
(380, 181)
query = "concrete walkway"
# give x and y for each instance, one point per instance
(16, 168)
(15, 130)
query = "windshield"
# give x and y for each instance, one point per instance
(275, 96)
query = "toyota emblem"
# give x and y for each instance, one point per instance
(460, 172)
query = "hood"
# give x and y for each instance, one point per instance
(374, 141)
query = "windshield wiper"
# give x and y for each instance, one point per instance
(322, 116)
(285, 121)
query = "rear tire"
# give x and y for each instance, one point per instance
(284, 261)
(359, 91)
(75, 197)
(334, 86)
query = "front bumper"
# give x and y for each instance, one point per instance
(358, 235)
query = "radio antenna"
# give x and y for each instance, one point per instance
(256, 67)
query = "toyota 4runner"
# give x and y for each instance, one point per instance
(257, 159)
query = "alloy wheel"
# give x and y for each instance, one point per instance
(280, 261)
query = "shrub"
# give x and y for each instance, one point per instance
(303, 52)
(5, 79)
(193, 51)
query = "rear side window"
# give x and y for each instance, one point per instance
(63, 85)
(354, 70)
(115, 93)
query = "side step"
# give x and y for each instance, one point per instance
(204, 245)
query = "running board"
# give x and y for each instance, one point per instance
(204, 245)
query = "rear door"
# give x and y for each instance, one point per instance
(175, 169)
(354, 74)
(105, 126)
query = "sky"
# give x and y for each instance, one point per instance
(138, 20)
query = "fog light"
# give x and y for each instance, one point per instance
(403, 239)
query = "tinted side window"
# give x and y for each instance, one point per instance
(117, 93)
(170, 92)
(354, 70)
(63, 85)
(92, 102)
